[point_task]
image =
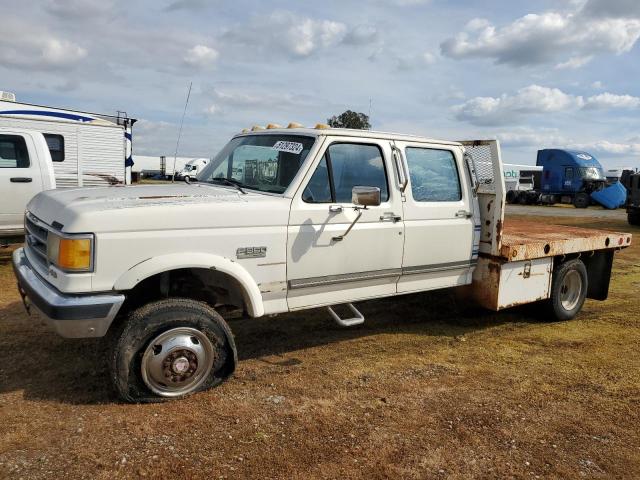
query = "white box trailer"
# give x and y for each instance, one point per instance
(87, 149)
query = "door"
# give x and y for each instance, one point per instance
(20, 180)
(366, 262)
(438, 216)
(567, 183)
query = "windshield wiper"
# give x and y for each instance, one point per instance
(230, 182)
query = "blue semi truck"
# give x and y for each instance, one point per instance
(570, 176)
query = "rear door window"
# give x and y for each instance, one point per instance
(434, 175)
(13, 152)
(56, 146)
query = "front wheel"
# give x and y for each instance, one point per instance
(171, 348)
(581, 200)
(568, 289)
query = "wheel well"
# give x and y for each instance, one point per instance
(598, 264)
(218, 289)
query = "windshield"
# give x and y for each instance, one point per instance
(266, 163)
(591, 173)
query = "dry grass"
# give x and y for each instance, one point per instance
(425, 389)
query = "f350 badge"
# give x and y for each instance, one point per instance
(251, 252)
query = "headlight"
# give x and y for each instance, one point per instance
(71, 253)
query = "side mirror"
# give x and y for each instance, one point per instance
(363, 197)
(366, 196)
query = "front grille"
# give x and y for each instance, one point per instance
(36, 240)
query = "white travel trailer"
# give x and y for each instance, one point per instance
(87, 149)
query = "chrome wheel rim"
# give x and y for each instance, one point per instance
(570, 290)
(177, 361)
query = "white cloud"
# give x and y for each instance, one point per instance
(531, 99)
(201, 56)
(609, 148)
(575, 62)
(598, 85)
(20, 48)
(536, 99)
(611, 100)
(286, 32)
(568, 39)
(535, 139)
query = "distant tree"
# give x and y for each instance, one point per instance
(350, 119)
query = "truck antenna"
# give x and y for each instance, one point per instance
(175, 156)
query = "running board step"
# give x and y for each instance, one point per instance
(347, 322)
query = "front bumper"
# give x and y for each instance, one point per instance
(71, 316)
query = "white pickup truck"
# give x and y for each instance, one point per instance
(25, 170)
(287, 219)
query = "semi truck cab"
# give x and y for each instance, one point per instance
(570, 174)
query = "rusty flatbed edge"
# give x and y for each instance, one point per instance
(525, 240)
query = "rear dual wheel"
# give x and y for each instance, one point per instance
(568, 289)
(171, 348)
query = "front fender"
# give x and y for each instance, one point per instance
(174, 261)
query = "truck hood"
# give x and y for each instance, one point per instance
(155, 207)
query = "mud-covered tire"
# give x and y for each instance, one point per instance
(581, 200)
(568, 290)
(132, 340)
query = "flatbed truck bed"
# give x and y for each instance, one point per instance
(522, 269)
(518, 259)
(525, 240)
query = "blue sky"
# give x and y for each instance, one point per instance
(541, 74)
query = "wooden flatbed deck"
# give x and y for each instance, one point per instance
(525, 240)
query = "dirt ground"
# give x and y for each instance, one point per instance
(426, 388)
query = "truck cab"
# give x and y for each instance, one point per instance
(282, 220)
(192, 169)
(25, 170)
(570, 174)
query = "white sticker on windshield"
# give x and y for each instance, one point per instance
(584, 156)
(289, 147)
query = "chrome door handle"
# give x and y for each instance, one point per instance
(335, 208)
(390, 217)
(463, 214)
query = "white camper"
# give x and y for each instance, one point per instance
(87, 149)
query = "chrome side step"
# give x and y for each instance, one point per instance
(357, 319)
